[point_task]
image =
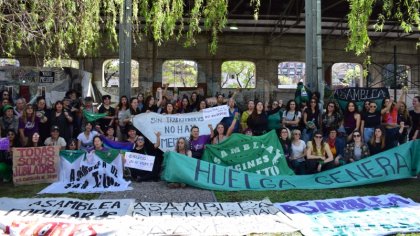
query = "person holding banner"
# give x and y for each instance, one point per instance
(198, 142)
(377, 143)
(220, 135)
(390, 119)
(351, 119)
(356, 150)
(318, 155)
(86, 137)
(98, 145)
(142, 148)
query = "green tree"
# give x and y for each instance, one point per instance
(238, 74)
(180, 73)
(111, 70)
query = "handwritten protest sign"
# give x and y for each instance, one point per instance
(35, 165)
(139, 161)
(172, 127)
(218, 111)
(369, 215)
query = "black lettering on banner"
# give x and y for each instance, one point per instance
(220, 175)
(368, 170)
(323, 180)
(384, 162)
(354, 174)
(232, 179)
(199, 171)
(336, 179)
(400, 159)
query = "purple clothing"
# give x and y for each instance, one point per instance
(197, 146)
(29, 128)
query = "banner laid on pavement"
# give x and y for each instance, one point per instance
(98, 172)
(172, 127)
(397, 163)
(370, 215)
(34, 165)
(257, 154)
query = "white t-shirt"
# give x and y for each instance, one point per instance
(87, 142)
(298, 150)
(60, 142)
(291, 116)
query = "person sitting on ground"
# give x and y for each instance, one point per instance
(377, 143)
(29, 124)
(356, 150)
(220, 135)
(86, 137)
(98, 145)
(319, 156)
(336, 145)
(34, 141)
(110, 133)
(142, 148)
(181, 148)
(297, 153)
(131, 134)
(72, 145)
(55, 139)
(284, 138)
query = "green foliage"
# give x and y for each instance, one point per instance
(180, 73)
(238, 74)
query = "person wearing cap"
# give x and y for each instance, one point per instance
(108, 120)
(55, 139)
(8, 121)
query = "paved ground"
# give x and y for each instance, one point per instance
(159, 192)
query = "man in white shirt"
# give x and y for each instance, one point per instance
(55, 139)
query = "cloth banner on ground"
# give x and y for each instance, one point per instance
(4, 144)
(212, 218)
(60, 215)
(127, 146)
(370, 215)
(210, 113)
(98, 172)
(139, 161)
(257, 154)
(360, 95)
(397, 163)
(91, 116)
(172, 127)
(35, 165)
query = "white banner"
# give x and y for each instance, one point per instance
(218, 111)
(61, 216)
(370, 215)
(172, 127)
(90, 175)
(139, 161)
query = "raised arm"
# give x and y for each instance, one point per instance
(232, 126)
(211, 131)
(157, 144)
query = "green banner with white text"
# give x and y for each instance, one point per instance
(397, 163)
(257, 154)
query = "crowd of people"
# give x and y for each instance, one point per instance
(314, 138)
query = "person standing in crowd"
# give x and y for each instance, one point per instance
(55, 139)
(169, 109)
(131, 134)
(220, 134)
(404, 122)
(29, 124)
(34, 140)
(121, 112)
(194, 101)
(150, 104)
(311, 120)
(233, 110)
(366, 107)
(5, 95)
(142, 148)
(258, 121)
(390, 120)
(370, 120)
(351, 120)
(106, 108)
(274, 116)
(331, 119)
(415, 119)
(356, 150)
(377, 143)
(202, 105)
(198, 142)
(336, 146)
(319, 156)
(185, 105)
(8, 121)
(110, 133)
(220, 100)
(6, 157)
(85, 139)
(297, 153)
(246, 114)
(19, 107)
(62, 119)
(140, 101)
(88, 107)
(132, 111)
(292, 116)
(41, 111)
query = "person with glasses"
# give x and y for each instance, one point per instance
(318, 155)
(310, 120)
(377, 143)
(297, 154)
(370, 120)
(141, 147)
(356, 150)
(72, 145)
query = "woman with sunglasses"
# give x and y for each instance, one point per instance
(297, 154)
(356, 150)
(142, 148)
(370, 120)
(319, 156)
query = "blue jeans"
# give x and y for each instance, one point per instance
(391, 139)
(367, 134)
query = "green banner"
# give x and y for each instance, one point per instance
(257, 154)
(90, 116)
(397, 163)
(72, 155)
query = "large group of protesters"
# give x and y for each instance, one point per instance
(314, 136)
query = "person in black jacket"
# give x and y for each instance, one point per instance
(258, 120)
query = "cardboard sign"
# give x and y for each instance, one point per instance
(35, 165)
(219, 111)
(139, 161)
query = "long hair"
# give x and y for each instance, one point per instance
(120, 104)
(355, 107)
(255, 114)
(288, 105)
(373, 139)
(315, 148)
(404, 111)
(133, 111)
(186, 144)
(25, 116)
(392, 105)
